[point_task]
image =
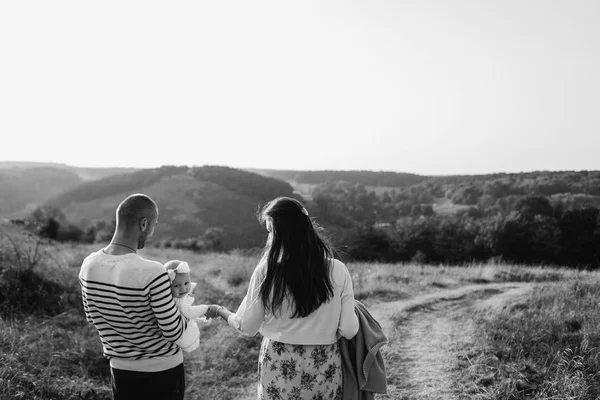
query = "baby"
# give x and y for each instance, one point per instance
(181, 289)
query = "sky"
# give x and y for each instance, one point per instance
(422, 86)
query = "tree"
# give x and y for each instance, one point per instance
(418, 235)
(507, 204)
(49, 229)
(427, 210)
(212, 239)
(529, 240)
(580, 239)
(105, 230)
(531, 206)
(45, 221)
(454, 240)
(372, 244)
(70, 233)
(468, 195)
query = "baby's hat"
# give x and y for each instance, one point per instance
(175, 267)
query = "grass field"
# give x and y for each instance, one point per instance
(545, 347)
(444, 206)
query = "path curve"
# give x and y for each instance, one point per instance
(420, 363)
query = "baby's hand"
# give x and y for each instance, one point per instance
(203, 320)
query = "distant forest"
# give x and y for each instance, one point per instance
(530, 218)
(538, 217)
(367, 178)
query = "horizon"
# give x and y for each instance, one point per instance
(422, 87)
(297, 170)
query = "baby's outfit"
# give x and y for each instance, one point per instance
(186, 307)
(192, 313)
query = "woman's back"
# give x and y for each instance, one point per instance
(301, 300)
(323, 324)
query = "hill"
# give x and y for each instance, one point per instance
(306, 182)
(367, 178)
(85, 174)
(26, 185)
(191, 200)
(22, 189)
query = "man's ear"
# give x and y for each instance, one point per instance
(143, 224)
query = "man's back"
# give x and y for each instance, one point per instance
(128, 299)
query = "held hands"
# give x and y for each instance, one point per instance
(216, 310)
(212, 311)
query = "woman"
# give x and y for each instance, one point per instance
(300, 299)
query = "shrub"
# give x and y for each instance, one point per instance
(24, 290)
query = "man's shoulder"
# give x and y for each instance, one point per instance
(93, 258)
(129, 259)
(149, 268)
(147, 264)
(130, 264)
(92, 255)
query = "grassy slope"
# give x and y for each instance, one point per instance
(25, 186)
(85, 174)
(61, 358)
(547, 347)
(21, 190)
(190, 200)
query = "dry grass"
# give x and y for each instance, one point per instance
(60, 357)
(52, 359)
(547, 347)
(388, 282)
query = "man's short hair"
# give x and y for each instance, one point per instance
(134, 208)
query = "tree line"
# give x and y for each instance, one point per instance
(534, 233)
(503, 217)
(532, 218)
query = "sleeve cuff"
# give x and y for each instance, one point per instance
(233, 321)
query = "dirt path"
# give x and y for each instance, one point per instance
(419, 356)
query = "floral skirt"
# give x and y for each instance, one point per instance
(297, 372)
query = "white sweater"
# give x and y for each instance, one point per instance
(325, 325)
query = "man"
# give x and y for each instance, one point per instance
(128, 299)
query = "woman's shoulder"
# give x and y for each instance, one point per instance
(337, 264)
(260, 270)
(338, 269)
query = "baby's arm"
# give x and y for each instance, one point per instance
(190, 311)
(198, 311)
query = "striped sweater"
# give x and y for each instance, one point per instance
(128, 299)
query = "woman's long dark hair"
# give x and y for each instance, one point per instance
(298, 259)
